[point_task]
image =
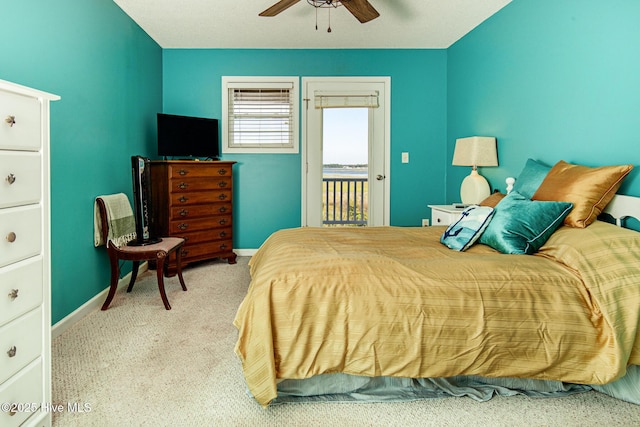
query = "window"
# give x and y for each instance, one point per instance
(260, 114)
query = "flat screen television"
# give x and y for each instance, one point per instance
(185, 136)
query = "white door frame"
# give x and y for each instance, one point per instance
(385, 104)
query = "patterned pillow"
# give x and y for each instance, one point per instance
(463, 233)
(522, 226)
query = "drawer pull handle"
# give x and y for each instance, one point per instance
(222, 196)
(183, 226)
(223, 209)
(222, 171)
(183, 172)
(183, 199)
(223, 221)
(12, 351)
(223, 246)
(184, 212)
(13, 294)
(183, 185)
(184, 252)
(223, 234)
(10, 120)
(11, 237)
(11, 178)
(222, 184)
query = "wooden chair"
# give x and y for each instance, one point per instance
(157, 252)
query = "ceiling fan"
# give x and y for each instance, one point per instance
(361, 9)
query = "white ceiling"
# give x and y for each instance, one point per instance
(236, 24)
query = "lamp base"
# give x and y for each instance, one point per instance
(474, 189)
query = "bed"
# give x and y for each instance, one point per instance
(393, 313)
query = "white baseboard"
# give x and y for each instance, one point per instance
(91, 305)
(245, 252)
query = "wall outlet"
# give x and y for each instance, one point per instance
(405, 157)
(425, 222)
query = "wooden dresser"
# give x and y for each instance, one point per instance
(25, 256)
(194, 200)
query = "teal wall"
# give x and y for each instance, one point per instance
(108, 73)
(551, 80)
(268, 187)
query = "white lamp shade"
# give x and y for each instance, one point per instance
(475, 151)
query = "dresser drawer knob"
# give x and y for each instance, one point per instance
(222, 184)
(184, 212)
(13, 294)
(183, 185)
(184, 252)
(183, 172)
(222, 171)
(183, 199)
(222, 196)
(11, 237)
(223, 221)
(183, 226)
(222, 209)
(223, 234)
(11, 178)
(223, 246)
(12, 351)
(10, 120)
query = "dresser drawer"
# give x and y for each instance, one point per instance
(21, 178)
(23, 388)
(206, 250)
(206, 236)
(197, 197)
(197, 211)
(196, 169)
(199, 184)
(25, 132)
(20, 343)
(20, 233)
(185, 225)
(20, 288)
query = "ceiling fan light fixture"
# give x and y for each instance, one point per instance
(326, 3)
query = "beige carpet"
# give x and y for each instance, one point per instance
(138, 364)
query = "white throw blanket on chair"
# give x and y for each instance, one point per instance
(119, 217)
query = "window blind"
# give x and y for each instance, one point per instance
(261, 116)
(346, 100)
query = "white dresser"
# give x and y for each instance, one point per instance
(25, 271)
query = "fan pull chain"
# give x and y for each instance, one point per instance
(316, 19)
(329, 29)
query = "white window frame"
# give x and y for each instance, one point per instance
(259, 82)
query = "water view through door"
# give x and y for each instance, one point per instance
(345, 149)
(345, 167)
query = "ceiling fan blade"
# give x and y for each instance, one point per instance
(361, 9)
(278, 7)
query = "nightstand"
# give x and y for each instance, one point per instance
(444, 214)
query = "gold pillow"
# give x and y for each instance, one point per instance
(589, 189)
(492, 200)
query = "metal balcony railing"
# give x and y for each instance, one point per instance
(345, 201)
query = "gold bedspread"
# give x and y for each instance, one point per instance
(393, 301)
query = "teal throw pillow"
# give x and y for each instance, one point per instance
(522, 226)
(467, 229)
(530, 178)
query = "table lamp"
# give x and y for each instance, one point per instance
(475, 151)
